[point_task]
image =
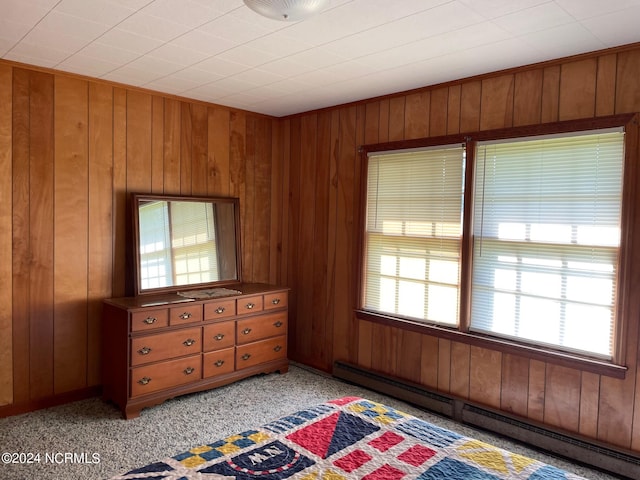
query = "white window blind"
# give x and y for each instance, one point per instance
(413, 230)
(546, 240)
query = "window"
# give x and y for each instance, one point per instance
(545, 240)
(413, 229)
(526, 252)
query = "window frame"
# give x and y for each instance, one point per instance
(628, 285)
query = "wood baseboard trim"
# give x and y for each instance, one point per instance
(52, 401)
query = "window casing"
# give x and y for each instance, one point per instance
(536, 273)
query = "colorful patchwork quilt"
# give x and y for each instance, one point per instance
(348, 438)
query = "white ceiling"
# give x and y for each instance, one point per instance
(220, 51)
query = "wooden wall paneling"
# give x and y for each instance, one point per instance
(383, 128)
(514, 393)
(470, 98)
(100, 218)
(237, 174)
(306, 317)
(444, 365)
(627, 91)
(485, 376)
(277, 203)
(562, 397)
(199, 148)
(71, 215)
(396, 118)
(537, 384)
(429, 361)
(460, 369)
(286, 206)
(384, 348)
(365, 341)
(344, 320)
(372, 123)
(550, 94)
(262, 201)
(438, 108)
(333, 268)
(172, 145)
(293, 275)
(218, 148)
(157, 144)
(527, 97)
(409, 355)
(416, 115)
(249, 196)
(6, 233)
(589, 393)
(41, 232)
(320, 315)
(615, 418)
(186, 148)
(578, 89)
(606, 85)
(496, 103)
(357, 213)
(20, 267)
(120, 215)
(139, 120)
(453, 109)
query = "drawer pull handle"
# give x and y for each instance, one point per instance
(246, 331)
(188, 342)
(150, 320)
(219, 310)
(219, 337)
(144, 380)
(219, 363)
(278, 324)
(250, 306)
(277, 348)
(144, 351)
(189, 370)
(246, 356)
(185, 315)
(275, 301)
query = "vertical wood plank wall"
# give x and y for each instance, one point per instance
(71, 149)
(324, 180)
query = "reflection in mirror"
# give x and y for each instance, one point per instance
(185, 242)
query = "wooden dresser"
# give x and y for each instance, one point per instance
(159, 347)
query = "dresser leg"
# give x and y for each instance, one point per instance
(130, 413)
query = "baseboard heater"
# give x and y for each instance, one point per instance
(585, 451)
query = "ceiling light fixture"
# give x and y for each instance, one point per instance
(286, 10)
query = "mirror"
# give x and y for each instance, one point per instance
(183, 243)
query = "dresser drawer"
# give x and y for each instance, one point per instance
(152, 348)
(149, 319)
(218, 362)
(219, 309)
(250, 304)
(185, 314)
(159, 376)
(276, 300)
(261, 352)
(219, 335)
(259, 327)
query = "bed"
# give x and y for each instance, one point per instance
(348, 438)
